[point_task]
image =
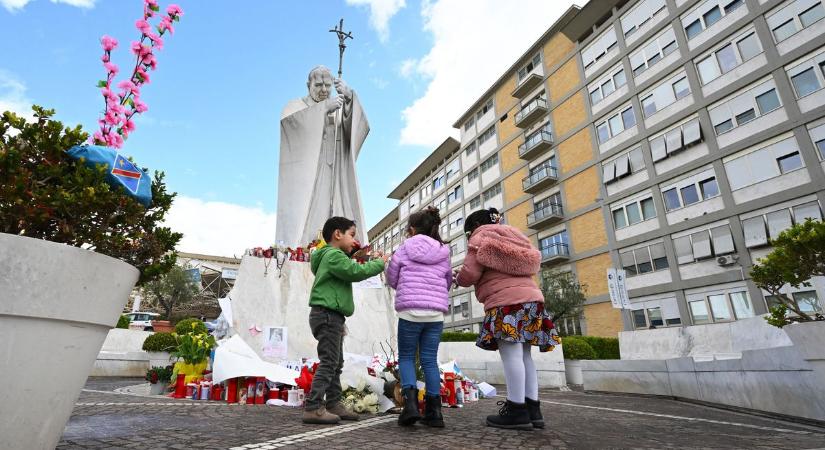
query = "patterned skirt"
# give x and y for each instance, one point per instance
(526, 322)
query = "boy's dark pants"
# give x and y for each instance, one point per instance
(328, 328)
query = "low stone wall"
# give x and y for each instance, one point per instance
(484, 365)
(711, 341)
(784, 380)
(122, 354)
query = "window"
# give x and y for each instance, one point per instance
(639, 319)
(703, 244)
(653, 51)
(438, 181)
(607, 85)
(789, 162)
(640, 15)
(470, 148)
(597, 49)
(486, 135)
(615, 124)
(743, 107)
(472, 175)
(526, 70)
(689, 195)
(454, 195)
(805, 82)
(675, 139)
(768, 101)
(708, 69)
(727, 58)
(475, 203)
(453, 169)
(665, 94)
(749, 46)
(671, 199)
(623, 165)
(707, 14)
(469, 123)
(797, 15)
(554, 245)
(807, 211)
(709, 188)
(456, 220)
(487, 107)
(489, 162)
(762, 164)
(492, 192)
(756, 234)
(721, 307)
(633, 213)
(807, 301)
(650, 258)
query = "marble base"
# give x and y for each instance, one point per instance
(262, 298)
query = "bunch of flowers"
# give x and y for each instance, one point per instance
(156, 374)
(360, 398)
(194, 347)
(116, 123)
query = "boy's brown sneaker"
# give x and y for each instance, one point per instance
(342, 412)
(320, 416)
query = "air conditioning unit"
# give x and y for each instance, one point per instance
(726, 260)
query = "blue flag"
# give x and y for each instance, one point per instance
(120, 171)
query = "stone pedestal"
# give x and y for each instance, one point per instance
(262, 298)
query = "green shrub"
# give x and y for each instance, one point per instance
(577, 348)
(605, 348)
(458, 336)
(160, 342)
(122, 322)
(185, 326)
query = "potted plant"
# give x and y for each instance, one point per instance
(575, 350)
(158, 378)
(160, 346)
(193, 350)
(72, 247)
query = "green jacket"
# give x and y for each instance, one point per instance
(334, 274)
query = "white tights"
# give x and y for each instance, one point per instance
(519, 371)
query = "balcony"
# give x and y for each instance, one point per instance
(535, 144)
(531, 113)
(548, 215)
(530, 82)
(554, 253)
(541, 178)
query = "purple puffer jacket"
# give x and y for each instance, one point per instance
(421, 275)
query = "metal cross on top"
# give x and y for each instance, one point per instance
(342, 36)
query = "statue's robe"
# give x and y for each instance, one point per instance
(316, 174)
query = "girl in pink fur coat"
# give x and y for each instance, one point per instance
(501, 263)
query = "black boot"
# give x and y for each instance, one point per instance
(432, 411)
(511, 415)
(534, 409)
(410, 415)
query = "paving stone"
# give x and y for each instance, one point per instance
(573, 420)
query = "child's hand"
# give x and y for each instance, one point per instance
(386, 258)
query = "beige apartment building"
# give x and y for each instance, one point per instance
(668, 138)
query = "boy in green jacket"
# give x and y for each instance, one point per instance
(331, 303)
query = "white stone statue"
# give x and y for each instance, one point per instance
(321, 137)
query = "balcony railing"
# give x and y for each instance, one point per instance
(549, 214)
(535, 143)
(527, 84)
(554, 252)
(540, 178)
(531, 112)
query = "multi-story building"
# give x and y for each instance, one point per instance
(670, 138)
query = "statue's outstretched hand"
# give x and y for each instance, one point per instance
(335, 103)
(342, 89)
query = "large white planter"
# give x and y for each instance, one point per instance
(809, 339)
(573, 371)
(57, 304)
(160, 359)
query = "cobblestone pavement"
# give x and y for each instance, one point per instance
(104, 418)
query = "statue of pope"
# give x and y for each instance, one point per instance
(321, 137)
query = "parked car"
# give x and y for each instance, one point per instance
(142, 320)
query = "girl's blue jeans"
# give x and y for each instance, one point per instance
(424, 337)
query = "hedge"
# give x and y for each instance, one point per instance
(122, 322)
(575, 347)
(458, 336)
(185, 326)
(160, 342)
(605, 348)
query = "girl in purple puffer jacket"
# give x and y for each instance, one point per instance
(421, 275)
